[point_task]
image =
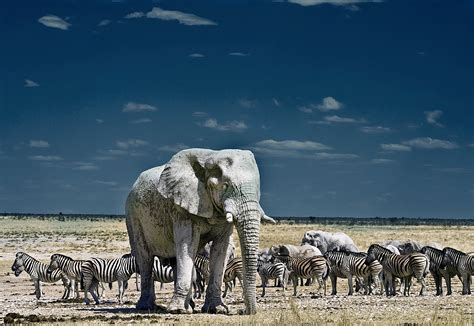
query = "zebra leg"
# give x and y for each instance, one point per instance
(295, 283)
(439, 286)
(349, 284)
(38, 289)
(333, 283)
(121, 290)
(465, 281)
(320, 285)
(67, 284)
(93, 290)
(264, 283)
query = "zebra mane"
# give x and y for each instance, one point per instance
(129, 255)
(455, 251)
(62, 256)
(25, 254)
(429, 248)
(379, 247)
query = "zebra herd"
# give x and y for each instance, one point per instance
(92, 273)
(379, 268)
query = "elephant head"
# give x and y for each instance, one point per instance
(316, 239)
(222, 187)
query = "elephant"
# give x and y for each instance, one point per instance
(303, 251)
(409, 246)
(173, 210)
(327, 241)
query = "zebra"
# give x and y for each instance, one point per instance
(346, 264)
(269, 271)
(233, 270)
(98, 270)
(463, 264)
(72, 268)
(404, 266)
(39, 273)
(440, 267)
(312, 267)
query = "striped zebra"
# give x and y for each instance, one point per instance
(403, 266)
(440, 268)
(312, 267)
(464, 265)
(201, 264)
(39, 273)
(346, 264)
(233, 271)
(72, 268)
(162, 273)
(270, 271)
(107, 270)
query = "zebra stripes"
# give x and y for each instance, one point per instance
(162, 273)
(463, 264)
(72, 268)
(270, 271)
(107, 270)
(440, 267)
(346, 264)
(404, 266)
(312, 267)
(233, 270)
(38, 273)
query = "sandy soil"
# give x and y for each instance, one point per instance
(83, 239)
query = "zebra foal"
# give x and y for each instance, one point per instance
(346, 264)
(38, 273)
(463, 264)
(270, 271)
(403, 266)
(312, 267)
(98, 270)
(72, 268)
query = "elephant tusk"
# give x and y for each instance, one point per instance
(229, 217)
(267, 219)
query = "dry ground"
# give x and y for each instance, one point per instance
(83, 239)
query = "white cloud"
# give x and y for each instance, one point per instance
(395, 147)
(276, 102)
(99, 120)
(84, 166)
(430, 143)
(335, 156)
(306, 109)
(30, 83)
(136, 14)
(114, 152)
(39, 143)
(338, 119)
(375, 129)
(235, 126)
(130, 143)
(144, 120)
(54, 22)
(106, 183)
(173, 148)
(247, 103)
(433, 116)
(46, 158)
(104, 22)
(138, 107)
(238, 54)
(292, 145)
(319, 122)
(381, 161)
(306, 3)
(200, 114)
(196, 55)
(329, 104)
(181, 17)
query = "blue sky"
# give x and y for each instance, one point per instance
(352, 108)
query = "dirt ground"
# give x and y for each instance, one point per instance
(84, 239)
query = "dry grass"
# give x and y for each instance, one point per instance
(83, 239)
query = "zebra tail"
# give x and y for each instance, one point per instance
(110, 285)
(328, 270)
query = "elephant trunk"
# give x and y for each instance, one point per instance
(248, 228)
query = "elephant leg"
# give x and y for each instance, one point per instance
(218, 260)
(186, 238)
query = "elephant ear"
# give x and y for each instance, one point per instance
(183, 181)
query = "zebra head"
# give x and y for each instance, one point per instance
(18, 266)
(372, 254)
(54, 264)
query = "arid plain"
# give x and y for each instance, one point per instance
(108, 238)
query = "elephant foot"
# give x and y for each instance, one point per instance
(215, 307)
(146, 303)
(178, 306)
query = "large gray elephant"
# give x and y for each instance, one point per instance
(303, 251)
(175, 209)
(327, 241)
